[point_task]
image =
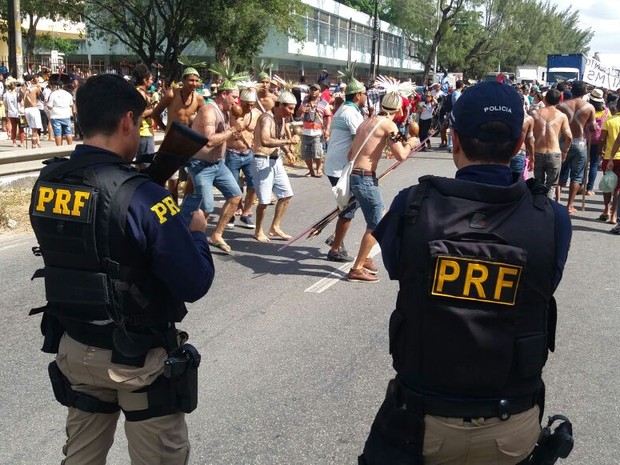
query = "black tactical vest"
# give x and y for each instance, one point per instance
(93, 276)
(476, 276)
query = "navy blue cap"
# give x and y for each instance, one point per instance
(488, 102)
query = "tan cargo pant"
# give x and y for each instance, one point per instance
(454, 441)
(156, 441)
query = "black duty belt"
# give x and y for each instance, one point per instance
(468, 408)
(270, 157)
(361, 172)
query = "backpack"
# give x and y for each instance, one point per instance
(596, 135)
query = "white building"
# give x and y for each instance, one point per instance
(335, 34)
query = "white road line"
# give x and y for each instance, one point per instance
(17, 242)
(325, 283)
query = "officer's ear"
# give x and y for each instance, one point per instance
(126, 124)
(457, 150)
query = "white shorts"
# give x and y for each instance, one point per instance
(33, 118)
(269, 176)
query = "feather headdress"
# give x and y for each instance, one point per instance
(286, 95)
(348, 77)
(394, 91)
(247, 90)
(263, 70)
(229, 75)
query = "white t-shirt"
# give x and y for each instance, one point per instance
(10, 104)
(60, 103)
(344, 126)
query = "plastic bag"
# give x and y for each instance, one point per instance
(342, 189)
(608, 182)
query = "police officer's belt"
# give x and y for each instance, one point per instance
(466, 408)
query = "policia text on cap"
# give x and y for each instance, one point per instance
(106, 235)
(478, 259)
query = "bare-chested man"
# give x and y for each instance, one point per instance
(581, 117)
(370, 139)
(518, 162)
(266, 99)
(549, 123)
(182, 104)
(270, 141)
(239, 154)
(32, 93)
(207, 167)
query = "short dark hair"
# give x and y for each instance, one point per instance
(553, 96)
(140, 73)
(578, 89)
(350, 97)
(459, 84)
(103, 100)
(500, 151)
(613, 108)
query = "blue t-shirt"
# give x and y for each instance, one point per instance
(496, 175)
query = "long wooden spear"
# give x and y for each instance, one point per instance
(318, 227)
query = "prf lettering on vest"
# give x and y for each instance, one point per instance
(165, 209)
(63, 201)
(479, 280)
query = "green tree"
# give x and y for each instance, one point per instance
(237, 29)
(149, 28)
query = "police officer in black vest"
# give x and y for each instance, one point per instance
(119, 265)
(478, 259)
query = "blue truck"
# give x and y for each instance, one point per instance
(565, 67)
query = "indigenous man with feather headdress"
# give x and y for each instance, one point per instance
(266, 99)
(207, 167)
(370, 140)
(271, 141)
(343, 129)
(239, 154)
(182, 104)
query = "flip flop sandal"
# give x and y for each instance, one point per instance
(223, 246)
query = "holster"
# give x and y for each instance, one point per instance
(171, 394)
(397, 434)
(70, 398)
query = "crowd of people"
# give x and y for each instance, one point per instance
(478, 258)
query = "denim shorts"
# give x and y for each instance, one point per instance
(517, 163)
(62, 127)
(575, 164)
(237, 161)
(208, 175)
(368, 195)
(348, 212)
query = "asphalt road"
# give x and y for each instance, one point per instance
(295, 364)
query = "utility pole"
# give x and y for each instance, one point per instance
(16, 61)
(373, 53)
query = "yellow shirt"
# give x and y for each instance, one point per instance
(612, 127)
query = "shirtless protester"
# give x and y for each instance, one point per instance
(271, 140)
(549, 123)
(207, 167)
(525, 156)
(182, 104)
(581, 116)
(239, 154)
(266, 99)
(32, 94)
(370, 139)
